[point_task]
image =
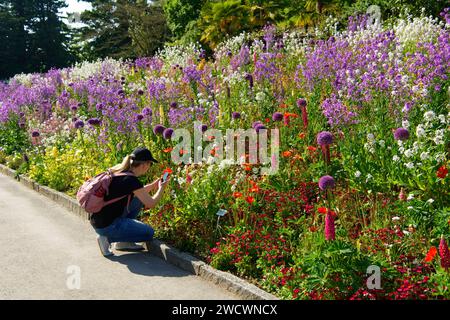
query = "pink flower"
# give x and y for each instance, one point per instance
(330, 230)
(444, 253)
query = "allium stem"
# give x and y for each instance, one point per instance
(326, 153)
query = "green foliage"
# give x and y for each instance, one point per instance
(12, 137)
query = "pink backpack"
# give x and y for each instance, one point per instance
(91, 194)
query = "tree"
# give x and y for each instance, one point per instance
(33, 36)
(148, 28)
(48, 36)
(180, 14)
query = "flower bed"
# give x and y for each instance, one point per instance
(359, 206)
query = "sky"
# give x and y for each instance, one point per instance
(76, 6)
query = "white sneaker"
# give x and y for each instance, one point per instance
(104, 246)
(128, 246)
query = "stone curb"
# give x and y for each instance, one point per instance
(187, 262)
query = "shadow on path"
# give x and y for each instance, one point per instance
(143, 263)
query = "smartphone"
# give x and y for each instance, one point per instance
(164, 178)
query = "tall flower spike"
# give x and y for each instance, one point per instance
(330, 229)
(444, 253)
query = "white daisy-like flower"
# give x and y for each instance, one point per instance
(357, 174)
(420, 131)
(409, 165)
(424, 155)
(395, 158)
(429, 115)
(405, 124)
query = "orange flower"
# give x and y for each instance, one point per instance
(254, 188)
(250, 200)
(167, 150)
(301, 135)
(313, 228)
(287, 154)
(237, 194)
(247, 167)
(167, 170)
(311, 148)
(182, 151)
(289, 114)
(431, 254)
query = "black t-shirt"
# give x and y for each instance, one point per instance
(120, 186)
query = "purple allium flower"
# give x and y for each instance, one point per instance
(140, 92)
(254, 124)
(249, 78)
(94, 122)
(277, 116)
(324, 138)
(401, 134)
(301, 103)
(259, 127)
(139, 117)
(236, 115)
(99, 106)
(204, 127)
(202, 54)
(120, 92)
(159, 129)
(173, 104)
(147, 112)
(326, 182)
(167, 134)
(35, 134)
(21, 114)
(74, 108)
(79, 124)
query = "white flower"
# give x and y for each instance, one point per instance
(409, 165)
(381, 143)
(424, 155)
(405, 124)
(430, 201)
(369, 176)
(401, 149)
(410, 197)
(442, 118)
(395, 218)
(438, 140)
(440, 157)
(409, 153)
(260, 96)
(420, 131)
(410, 208)
(357, 174)
(429, 115)
(370, 137)
(395, 158)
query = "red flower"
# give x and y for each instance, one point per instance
(311, 148)
(237, 194)
(250, 200)
(431, 254)
(167, 170)
(322, 210)
(442, 172)
(287, 154)
(167, 150)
